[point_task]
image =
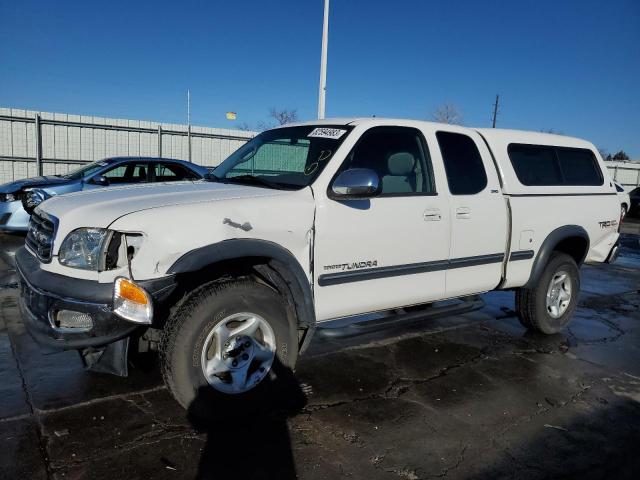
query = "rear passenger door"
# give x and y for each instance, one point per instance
(478, 214)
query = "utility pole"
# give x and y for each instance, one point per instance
(323, 61)
(189, 121)
(495, 111)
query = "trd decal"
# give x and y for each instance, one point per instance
(343, 267)
(608, 223)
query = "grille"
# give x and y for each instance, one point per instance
(40, 236)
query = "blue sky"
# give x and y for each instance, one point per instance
(571, 66)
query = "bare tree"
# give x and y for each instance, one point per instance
(243, 126)
(447, 113)
(283, 116)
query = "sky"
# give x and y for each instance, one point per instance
(569, 66)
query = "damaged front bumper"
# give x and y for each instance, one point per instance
(13, 217)
(43, 295)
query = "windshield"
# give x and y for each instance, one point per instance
(85, 170)
(290, 157)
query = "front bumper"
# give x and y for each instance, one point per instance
(43, 293)
(13, 217)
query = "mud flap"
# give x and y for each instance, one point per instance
(110, 359)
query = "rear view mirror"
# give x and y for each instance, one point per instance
(356, 183)
(100, 180)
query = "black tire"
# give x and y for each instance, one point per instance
(531, 302)
(186, 330)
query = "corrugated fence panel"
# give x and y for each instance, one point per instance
(64, 146)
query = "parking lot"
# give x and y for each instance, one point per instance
(468, 396)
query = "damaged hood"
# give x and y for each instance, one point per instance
(100, 208)
(13, 187)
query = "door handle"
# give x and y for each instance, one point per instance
(463, 212)
(432, 215)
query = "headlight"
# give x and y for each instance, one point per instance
(84, 248)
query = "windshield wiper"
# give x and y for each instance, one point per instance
(211, 177)
(255, 181)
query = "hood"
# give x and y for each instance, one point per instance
(18, 185)
(101, 207)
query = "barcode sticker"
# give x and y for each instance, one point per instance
(321, 132)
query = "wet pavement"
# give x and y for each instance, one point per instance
(468, 396)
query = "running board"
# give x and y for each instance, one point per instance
(466, 305)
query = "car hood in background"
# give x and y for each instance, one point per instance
(18, 185)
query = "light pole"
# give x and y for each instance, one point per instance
(323, 61)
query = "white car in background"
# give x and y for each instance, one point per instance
(625, 200)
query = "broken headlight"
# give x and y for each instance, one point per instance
(84, 248)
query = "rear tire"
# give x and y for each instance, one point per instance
(239, 322)
(549, 305)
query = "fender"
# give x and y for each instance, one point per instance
(548, 246)
(280, 259)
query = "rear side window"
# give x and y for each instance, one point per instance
(462, 162)
(539, 165)
(170, 172)
(535, 165)
(579, 166)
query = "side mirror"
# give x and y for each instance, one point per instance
(356, 183)
(100, 180)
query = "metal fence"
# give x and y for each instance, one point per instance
(626, 174)
(41, 143)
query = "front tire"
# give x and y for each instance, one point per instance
(226, 339)
(549, 306)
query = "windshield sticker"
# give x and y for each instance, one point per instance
(334, 133)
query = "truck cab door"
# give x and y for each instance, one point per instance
(478, 213)
(388, 251)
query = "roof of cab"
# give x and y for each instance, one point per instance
(496, 134)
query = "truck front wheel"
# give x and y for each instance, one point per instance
(225, 339)
(549, 306)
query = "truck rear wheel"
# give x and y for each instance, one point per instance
(224, 340)
(549, 306)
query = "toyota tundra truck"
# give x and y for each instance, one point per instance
(309, 223)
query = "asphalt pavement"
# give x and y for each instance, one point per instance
(467, 396)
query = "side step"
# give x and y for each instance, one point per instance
(428, 312)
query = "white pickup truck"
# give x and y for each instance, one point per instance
(312, 222)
